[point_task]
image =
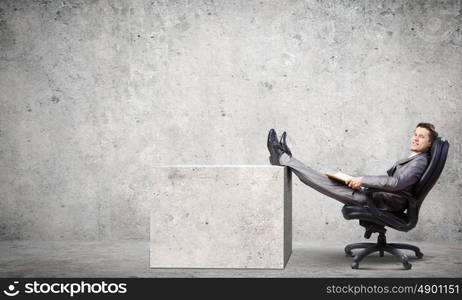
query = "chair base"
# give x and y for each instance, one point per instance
(381, 246)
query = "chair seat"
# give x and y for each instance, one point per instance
(363, 213)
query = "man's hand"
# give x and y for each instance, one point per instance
(354, 183)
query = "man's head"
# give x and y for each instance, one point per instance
(423, 136)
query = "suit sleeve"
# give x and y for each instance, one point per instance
(410, 176)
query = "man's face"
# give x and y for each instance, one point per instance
(420, 140)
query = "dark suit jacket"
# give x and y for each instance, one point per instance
(402, 177)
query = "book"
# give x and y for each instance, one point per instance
(340, 176)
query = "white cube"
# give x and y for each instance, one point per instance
(225, 216)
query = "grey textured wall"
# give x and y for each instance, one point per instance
(94, 94)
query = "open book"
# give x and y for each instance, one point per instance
(340, 176)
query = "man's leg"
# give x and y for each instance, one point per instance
(322, 183)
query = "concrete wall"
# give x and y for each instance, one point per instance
(95, 94)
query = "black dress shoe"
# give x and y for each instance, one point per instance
(283, 144)
(271, 134)
(274, 148)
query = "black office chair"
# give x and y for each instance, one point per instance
(375, 220)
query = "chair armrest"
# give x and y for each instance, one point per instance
(389, 218)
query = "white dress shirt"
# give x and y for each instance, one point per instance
(413, 153)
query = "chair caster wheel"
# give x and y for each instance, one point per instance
(419, 255)
(355, 265)
(407, 265)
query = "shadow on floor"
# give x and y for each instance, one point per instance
(332, 258)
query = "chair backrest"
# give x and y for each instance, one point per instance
(438, 155)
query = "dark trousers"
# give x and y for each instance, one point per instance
(324, 184)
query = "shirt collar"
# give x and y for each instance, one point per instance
(413, 153)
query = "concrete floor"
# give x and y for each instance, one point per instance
(131, 259)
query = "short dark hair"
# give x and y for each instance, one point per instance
(431, 128)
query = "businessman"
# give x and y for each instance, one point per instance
(400, 178)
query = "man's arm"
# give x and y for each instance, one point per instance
(396, 183)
